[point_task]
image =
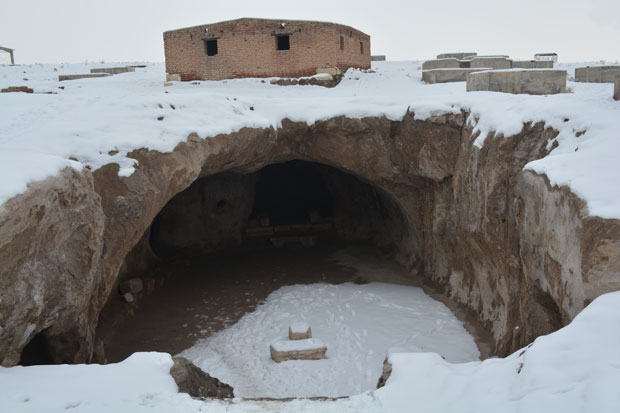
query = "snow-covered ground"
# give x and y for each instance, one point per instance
(91, 117)
(576, 369)
(359, 324)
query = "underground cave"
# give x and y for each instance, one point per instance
(223, 244)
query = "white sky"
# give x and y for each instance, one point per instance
(52, 31)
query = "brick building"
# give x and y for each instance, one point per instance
(262, 48)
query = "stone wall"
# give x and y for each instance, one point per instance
(533, 82)
(447, 63)
(447, 75)
(460, 55)
(617, 89)
(248, 48)
(524, 256)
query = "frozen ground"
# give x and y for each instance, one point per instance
(91, 117)
(359, 324)
(576, 369)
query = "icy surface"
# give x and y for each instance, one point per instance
(90, 119)
(359, 324)
(299, 327)
(576, 369)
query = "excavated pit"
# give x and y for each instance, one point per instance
(521, 255)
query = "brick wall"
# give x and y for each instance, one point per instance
(248, 48)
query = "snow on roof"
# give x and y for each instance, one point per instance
(90, 119)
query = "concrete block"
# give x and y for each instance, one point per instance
(173, 77)
(494, 62)
(527, 81)
(133, 286)
(532, 64)
(447, 75)
(62, 78)
(597, 74)
(460, 55)
(113, 70)
(299, 331)
(377, 58)
(308, 349)
(617, 89)
(448, 63)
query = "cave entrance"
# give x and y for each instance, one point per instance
(221, 246)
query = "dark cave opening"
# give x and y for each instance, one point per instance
(37, 351)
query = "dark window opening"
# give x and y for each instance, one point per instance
(283, 43)
(341, 42)
(221, 204)
(211, 46)
(361, 47)
(37, 351)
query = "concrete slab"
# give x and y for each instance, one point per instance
(113, 70)
(532, 64)
(518, 81)
(308, 349)
(617, 89)
(459, 55)
(447, 75)
(377, 58)
(62, 78)
(597, 74)
(448, 63)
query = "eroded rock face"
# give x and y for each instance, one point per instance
(522, 255)
(197, 383)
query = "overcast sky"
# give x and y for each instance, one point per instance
(52, 31)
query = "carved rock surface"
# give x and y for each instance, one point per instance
(197, 383)
(525, 257)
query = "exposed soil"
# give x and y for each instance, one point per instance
(203, 295)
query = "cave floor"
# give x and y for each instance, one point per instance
(199, 296)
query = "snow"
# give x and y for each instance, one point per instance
(284, 344)
(89, 118)
(576, 369)
(359, 324)
(299, 327)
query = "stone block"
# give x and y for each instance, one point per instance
(299, 331)
(173, 77)
(333, 71)
(113, 70)
(597, 74)
(62, 78)
(518, 81)
(447, 75)
(448, 63)
(460, 55)
(14, 89)
(493, 62)
(128, 297)
(308, 349)
(323, 77)
(617, 89)
(532, 64)
(377, 58)
(133, 285)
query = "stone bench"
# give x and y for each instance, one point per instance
(517, 81)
